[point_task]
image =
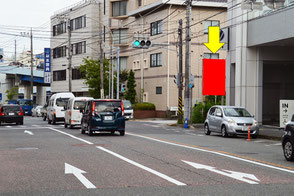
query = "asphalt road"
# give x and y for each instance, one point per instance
(151, 159)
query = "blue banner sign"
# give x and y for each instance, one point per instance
(47, 60)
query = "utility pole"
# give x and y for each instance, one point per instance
(117, 74)
(14, 50)
(188, 96)
(32, 66)
(101, 72)
(180, 104)
(69, 56)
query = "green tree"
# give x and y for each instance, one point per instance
(91, 74)
(11, 93)
(131, 85)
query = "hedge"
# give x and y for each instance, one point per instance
(144, 106)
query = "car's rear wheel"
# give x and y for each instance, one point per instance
(112, 132)
(254, 136)
(206, 129)
(54, 121)
(224, 131)
(71, 126)
(288, 150)
(21, 123)
(122, 133)
(49, 121)
(65, 125)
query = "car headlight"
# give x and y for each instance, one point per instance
(231, 122)
(255, 123)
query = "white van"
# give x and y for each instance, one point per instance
(56, 107)
(73, 115)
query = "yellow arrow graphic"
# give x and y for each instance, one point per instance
(213, 39)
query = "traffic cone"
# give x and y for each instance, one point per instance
(186, 123)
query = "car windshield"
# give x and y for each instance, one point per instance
(106, 106)
(11, 109)
(127, 104)
(236, 112)
(79, 105)
(61, 102)
(25, 102)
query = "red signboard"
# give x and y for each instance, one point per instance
(214, 77)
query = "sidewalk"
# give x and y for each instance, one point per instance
(265, 131)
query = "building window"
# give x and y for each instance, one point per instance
(211, 56)
(119, 8)
(59, 52)
(78, 23)
(155, 60)
(76, 74)
(59, 29)
(79, 48)
(120, 36)
(123, 61)
(59, 75)
(139, 3)
(156, 27)
(210, 23)
(158, 90)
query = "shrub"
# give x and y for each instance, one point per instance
(144, 106)
(197, 114)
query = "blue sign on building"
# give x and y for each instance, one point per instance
(47, 60)
(0, 96)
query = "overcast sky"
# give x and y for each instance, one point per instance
(19, 15)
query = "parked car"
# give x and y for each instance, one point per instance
(105, 115)
(56, 107)
(74, 111)
(36, 111)
(129, 112)
(11, 113)
(288, 140)
(230, 120)
(44, 112)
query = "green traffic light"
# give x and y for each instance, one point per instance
(137, 43)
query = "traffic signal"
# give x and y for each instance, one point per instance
(123, 88)
(1, 56)
(191, 81)
(142, 43)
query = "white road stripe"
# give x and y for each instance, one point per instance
(200, 135)
(125, 159)
(29, 132)
(213, 152)
(36, 125)
(259, 141)
(277, 144)
(143, 167)
(77, 138)
(8, 126)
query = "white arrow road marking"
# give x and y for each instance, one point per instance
(69, 169)
(232, 174)
(143, 167)
(28, 132)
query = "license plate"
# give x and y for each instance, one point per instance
(245, 129)
(107, 117)
(11, 114)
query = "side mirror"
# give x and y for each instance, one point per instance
(252, 116)
(81, 111)
(219, 114)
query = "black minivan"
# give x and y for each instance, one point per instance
(11, 113)
(103, 115)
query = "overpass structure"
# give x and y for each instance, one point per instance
(21, 76)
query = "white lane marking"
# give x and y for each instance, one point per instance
(61, 125)
(87, 142)
(177, 131)
(31, 128)
(27, 148)
(29, 132)
(259, 141)
(125, 159)
(155, 126)
(78, 173)
(143, 167)
(277, 144)
(36, 125)
(191, 134)
(232, 174)
(8, 126)
(200, 135)
(213, 152)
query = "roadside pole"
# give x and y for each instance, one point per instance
(69, 56)
(180, 99)
(32, 66)
(187, 102)
(117, 74)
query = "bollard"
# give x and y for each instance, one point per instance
(248, 133)
(186, 123)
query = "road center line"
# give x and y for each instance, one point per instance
(143, 167)
(29, 132)
(279, 167)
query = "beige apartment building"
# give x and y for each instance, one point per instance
(122, 21)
